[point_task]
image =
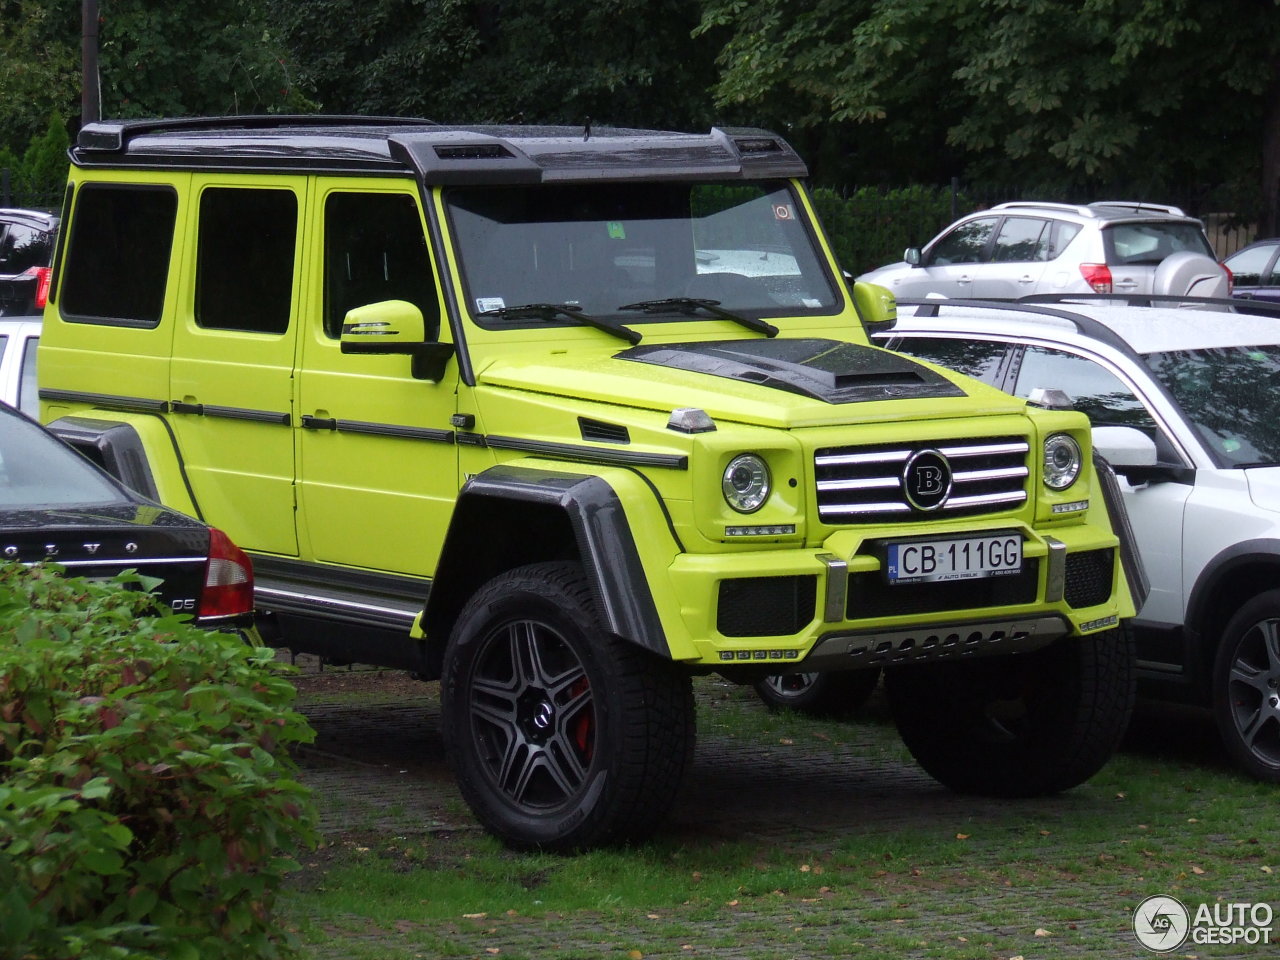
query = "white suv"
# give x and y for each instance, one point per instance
(1016, 249)
(1186, 405)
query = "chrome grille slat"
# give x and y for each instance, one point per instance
(864, 484)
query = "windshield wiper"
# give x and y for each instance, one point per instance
(687, 306)
(568, 311)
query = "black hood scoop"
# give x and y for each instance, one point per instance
(828, 370)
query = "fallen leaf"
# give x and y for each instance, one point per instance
(962, 836)
(1042, 932)
(786, 741)
(635, 955)
(1044, 833)
(1266, 869)
(1198, 871)
(1119, 796)
(696, 876)
(805, 868)
(1143, 826)
(732, 903)
(653, 916)
(1192, 820)
(513, 913)
(474, 916)
(963, 939)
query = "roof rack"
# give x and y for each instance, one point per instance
(1151, 299)
(112, 135)
(1077, 209)
(1139, 206)
(1083, 323)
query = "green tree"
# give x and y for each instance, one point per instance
(155, 59)
(631, 62)
(1089, 90)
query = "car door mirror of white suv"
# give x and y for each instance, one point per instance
(1132, 455)
(912, 256)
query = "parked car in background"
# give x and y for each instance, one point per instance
(1185, 405)
(1016, 249)
(19, 338)
(56, 505)
(27, 239)
(1256, 271)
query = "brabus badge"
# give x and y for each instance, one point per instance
(926, 480)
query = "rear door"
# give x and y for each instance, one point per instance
(231, 380)
(1019, 256)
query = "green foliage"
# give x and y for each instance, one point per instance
(148, 807)
(871, 227)
(36, 178)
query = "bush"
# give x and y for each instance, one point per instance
(148, 807)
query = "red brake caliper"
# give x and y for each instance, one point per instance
(582, 726)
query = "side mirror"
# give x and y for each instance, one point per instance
(395, 326)
(912, 256)
(1132, 455)
(875, 305)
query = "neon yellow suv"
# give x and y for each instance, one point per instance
(564, 417)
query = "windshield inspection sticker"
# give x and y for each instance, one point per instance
(489, 303)
(616, 230)
(783, 211)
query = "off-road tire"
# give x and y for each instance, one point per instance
(1026, 725)
(824, 695)
(1246, 686)
(562, 736)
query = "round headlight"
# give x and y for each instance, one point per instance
(746, 483)
(1061, 461)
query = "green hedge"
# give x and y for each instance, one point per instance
(38, 176)
(148, 807)
(872, 226)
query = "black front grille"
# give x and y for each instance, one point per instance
(1089, 577)
(766, 606)
(871, 596)
(865, 484)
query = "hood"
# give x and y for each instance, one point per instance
(772, 382)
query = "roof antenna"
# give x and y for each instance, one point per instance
(586, 130)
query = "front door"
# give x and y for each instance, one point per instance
(378, 471)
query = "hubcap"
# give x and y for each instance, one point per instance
(1251, 691)
(791, 684)
(532, 715)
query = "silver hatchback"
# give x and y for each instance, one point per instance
(1016, 249)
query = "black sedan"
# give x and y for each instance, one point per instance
(55, 505)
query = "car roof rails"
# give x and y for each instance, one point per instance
(1140, 206)
(1155, 299)
(1078, 210)
(1085, 324)
(112, 135)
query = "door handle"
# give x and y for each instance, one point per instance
(318, 423)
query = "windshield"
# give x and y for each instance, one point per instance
(605, 246)
(1231, 395)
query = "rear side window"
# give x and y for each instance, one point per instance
(1022, 239)
(28, 398)
(118, 255)
(1249, 266)
(244, 259)
(980, 359)
(24, 247)
(1149, 243)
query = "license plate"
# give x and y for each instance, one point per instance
(921, 561)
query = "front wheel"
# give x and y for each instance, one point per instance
(837, 694)
(1246, 686)
(1025, 725)
(562, 736)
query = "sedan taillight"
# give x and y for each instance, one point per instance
(1231, 279)
(42, 275)
(228, 579)
(1097, 276)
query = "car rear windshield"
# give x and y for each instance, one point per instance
(1149, 242)
(1230, 396)
(23, 247)
(37, 471)
(600, 247)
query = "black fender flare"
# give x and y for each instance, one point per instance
(114, 446)
(511, 515)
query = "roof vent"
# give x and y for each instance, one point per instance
(758, 145)
(473, 151)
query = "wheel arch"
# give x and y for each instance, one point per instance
(513, 515)
(1241, 571)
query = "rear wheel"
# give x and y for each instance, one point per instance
(562, 736)
(1246, 686)
(1017, 726)
(837, 694)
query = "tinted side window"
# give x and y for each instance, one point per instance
(1063, 234)
(1248, 265)
(980, 359)
(118, 255)
(964, 244)
(375, 250)
(1095, 390)
(1022, 239)
(244, 259)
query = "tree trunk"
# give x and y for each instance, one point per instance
(1270, 220)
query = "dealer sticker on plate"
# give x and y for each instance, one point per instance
(923, 560)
